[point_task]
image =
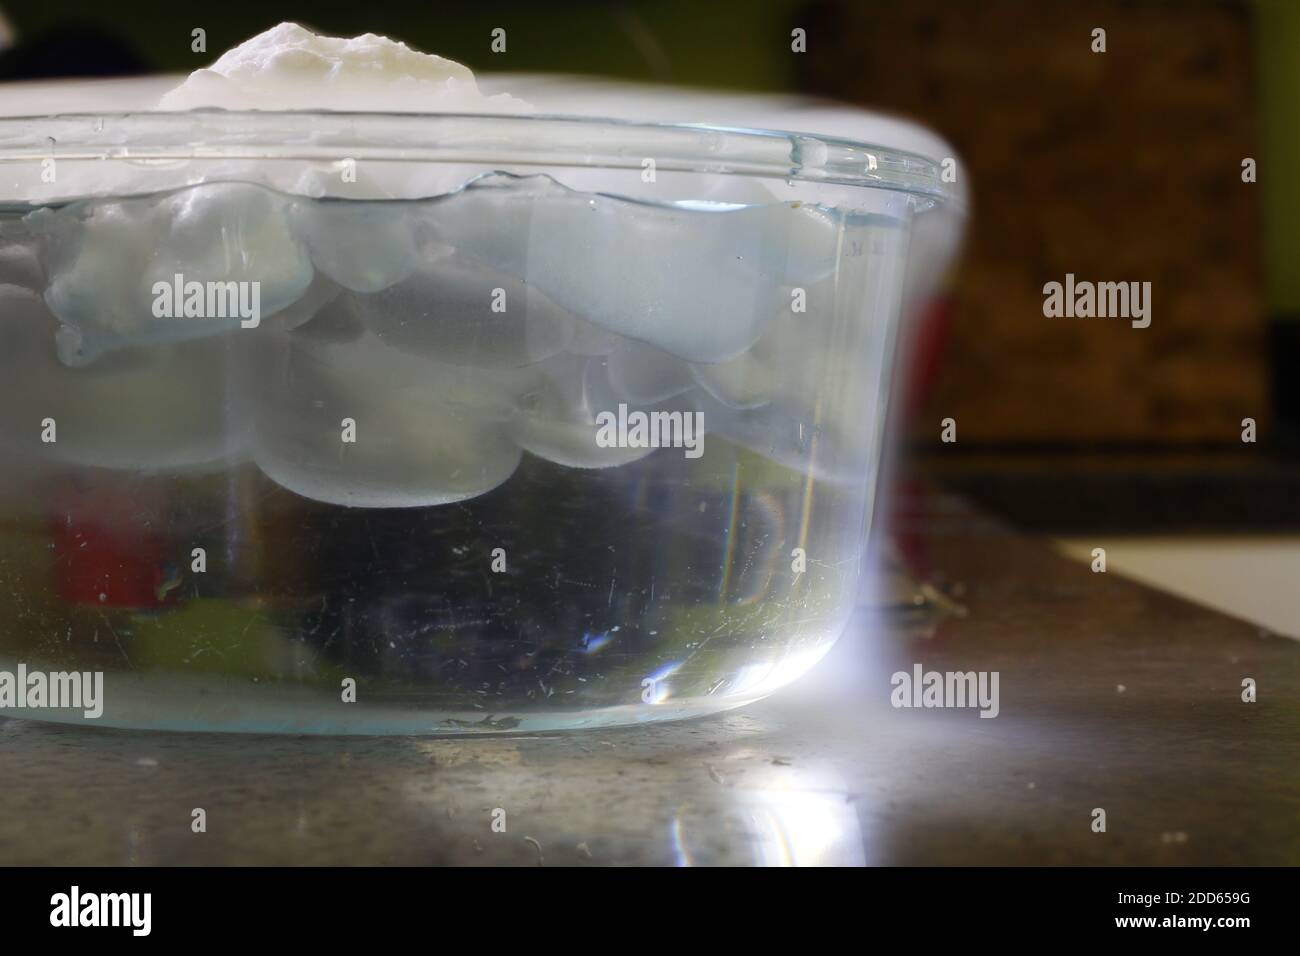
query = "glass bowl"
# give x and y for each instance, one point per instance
(446, 424)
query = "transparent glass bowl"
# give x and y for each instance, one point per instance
(336, 423)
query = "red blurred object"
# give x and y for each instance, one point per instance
(107, 550)
(926, 354)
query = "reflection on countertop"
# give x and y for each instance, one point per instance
(1113, 696)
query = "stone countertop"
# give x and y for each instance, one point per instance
(1111, 696)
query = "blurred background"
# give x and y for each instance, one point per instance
(1122, 166)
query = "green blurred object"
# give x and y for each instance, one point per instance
(220, 637)
(1278, 41)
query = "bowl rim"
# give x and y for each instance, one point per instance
(542, 139)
